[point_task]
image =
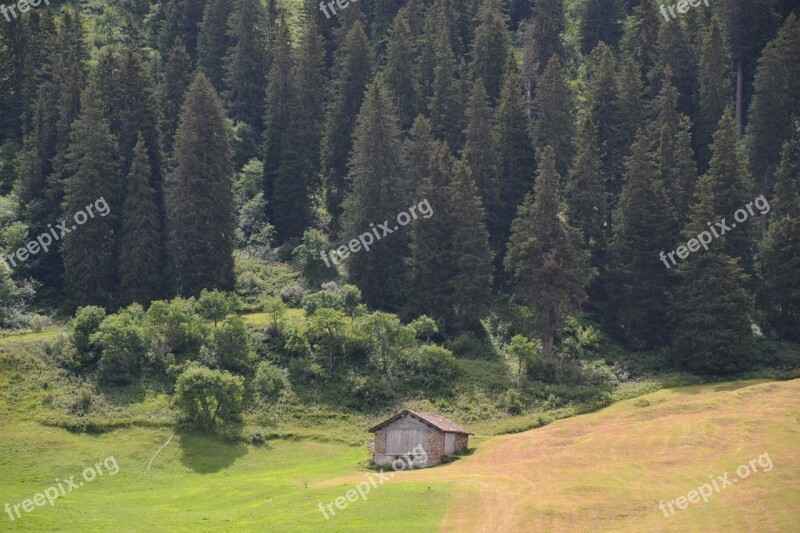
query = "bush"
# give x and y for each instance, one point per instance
(308, 257)
(215, 305)
(207, 397)
(469, 346)
(232, 346)
(123, 345)
(433, 366)
(85, 324)
(268, 382)
(174, 327)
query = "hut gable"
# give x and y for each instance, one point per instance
(435, 421)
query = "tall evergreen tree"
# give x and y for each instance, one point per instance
(715, 87)
(674, 52)
(545, 261)
(586, 193)
(247, 63)
(554, 115)
(490, 48)
(180, 18)
(638, 283)
(447, 102)
(779, 297)
(601, 21)
(199, 196)
(400, 71)
(418, 147)
(640, 38)
(376, 167)
(139, 265)
(513, 147)
(90, 276)
(213, 42)
(353, 72)
(177, 77)
(541, 40)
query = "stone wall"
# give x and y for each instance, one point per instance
(462, 442)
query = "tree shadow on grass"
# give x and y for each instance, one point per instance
(209, 453)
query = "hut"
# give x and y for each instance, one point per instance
(417, 439)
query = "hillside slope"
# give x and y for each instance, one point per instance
(609, 470)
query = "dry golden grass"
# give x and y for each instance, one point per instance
(608, 471)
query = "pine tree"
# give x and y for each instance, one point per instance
(513, 147)
(139, 267)
(630, 91)
(400, 72)
(638, 283)
(181, 18)
(554, 115)
(199, 197)
(545, 261)
(779, 297)
(491, 46)
(640, 38)
(376, 168)
(446, 104)
(715, 87)
(711, 305)
(418, 147)
(732, 188)
(353, 72)
(247, 63)
(213, 42)
(89, 258)
(674, 52)
(177, 77)
(775, 101)
(12, 63)
(480, 157)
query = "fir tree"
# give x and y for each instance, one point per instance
(400, 72)
(213, 42)
(89, 258)
(177, 77)
(600, 22)
(638, 283)
(377, 174)
(353, 72)
(553, 115)
(586, 193)
(491, 46)
(541, 40)
(715, 87)
(674, 52)
(247, 63)
(446, 104)
(199, 197)
(545, 261)
(139, 266)
(640, 37)
(418, 147)
(513, 147)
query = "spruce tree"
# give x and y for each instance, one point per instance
(139, 266)
(554, 115)
(213, 42)
(710, 303)
(490, 48)
(376, 168)
(548, 268)
(638, 282)
(199, 196)
(715, 87)
(177, 77)
(586, 193)
(541, 40)
(418, 147)
(90, 276)
(400, 71)
(513, 147)
(779, 297)
(353, 72)
(732, 188)
(600, 22)
(247, 63)
(447, 103)
(640, 37)
(481, 159)
(674, 51)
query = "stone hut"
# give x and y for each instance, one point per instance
(417, 439)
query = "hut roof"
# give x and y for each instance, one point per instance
(437, 421)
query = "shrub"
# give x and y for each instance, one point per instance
(425, 327)
(269, 381)
(174, 327)
(207, 397)
(232, 345)
(275, 308)
(433, 366)
(85, 324)
(123, 345)
(387, 340)
(215, 305)
(308, 257)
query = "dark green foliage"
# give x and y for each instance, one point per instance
(545, 261)
(586, 193)
(232, 350)
(309, 257)
(209, 397)
(376, 170)
(553, 115)
(177, 77)
(213, 42)
(490, 48)
(353, 72)
(542, 39)
(216, 305)
(400, 71)
(90, 270)
(641, 36)
(199, 197)
(638, 283)
(715, 87)
(86, 322)
(122, 343)
(140, 266)
(600, 22)
(447, 102)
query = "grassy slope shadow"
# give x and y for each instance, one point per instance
(206, 454)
